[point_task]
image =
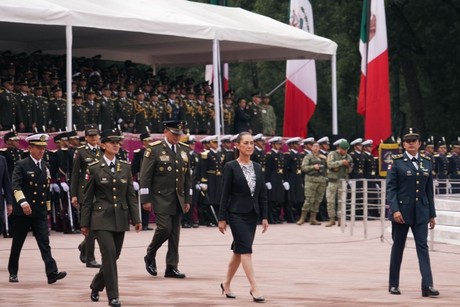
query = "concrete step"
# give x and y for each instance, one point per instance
(448, 218)
(447, 203)
(447, 234)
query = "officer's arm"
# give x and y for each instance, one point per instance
(132, 201)
(392, 188)
(87, 203)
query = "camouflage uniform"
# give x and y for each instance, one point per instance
(268, 119)
(315, 186)
(335, 171)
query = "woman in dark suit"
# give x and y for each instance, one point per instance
(109, 203)
(244, 200)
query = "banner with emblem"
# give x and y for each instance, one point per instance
(385, 153)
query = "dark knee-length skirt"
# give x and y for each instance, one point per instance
(243, 227)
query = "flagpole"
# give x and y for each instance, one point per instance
(335, 129)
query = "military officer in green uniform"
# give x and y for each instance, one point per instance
(339, 165)
(165, 187)
(83, 156)
(259, 154)
(31, 180)
(109, 204)
(268, 116)
(229, 114)
(314, 167)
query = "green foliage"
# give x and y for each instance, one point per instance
(423, 47)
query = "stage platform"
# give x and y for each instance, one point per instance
(295, 266)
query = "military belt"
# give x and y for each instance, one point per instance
(218, 173)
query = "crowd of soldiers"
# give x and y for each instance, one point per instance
(127, 97)
(302, 181)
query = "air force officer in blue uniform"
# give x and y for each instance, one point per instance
(410, 196)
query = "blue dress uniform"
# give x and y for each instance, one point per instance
(293, 175)
(410, 191)
(31, 180)
(274, 177)
(454, 167)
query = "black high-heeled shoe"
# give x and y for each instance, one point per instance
(228, 295)
(258, 299)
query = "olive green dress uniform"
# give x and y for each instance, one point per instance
(255, 121)
(190, 111)
(107, 113)
(156, 115)
(10, 112)
(335, 172)
(80, 116)
(166, 182)
(25, 102)
(315, 185)
(58, 114)
(41, 105)
(94, 110)
(229, 118)
(83, 156)
(109, 203)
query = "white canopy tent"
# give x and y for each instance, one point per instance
(160, 32)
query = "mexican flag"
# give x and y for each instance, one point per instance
(300, 95)
(374, 90)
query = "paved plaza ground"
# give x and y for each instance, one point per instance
(295, 266)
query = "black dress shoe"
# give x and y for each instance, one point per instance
(94, 295)
(13, 278)
(186, 225)
(147, 228)
(394, 290)
(173, 273)
(211, 224)
(93, 264)
(82, 254)
(430, 291)
(53, 277)
(196, 225)
(150, 266)
(114, 302)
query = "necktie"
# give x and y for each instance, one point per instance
(112, 167)
(415, 162)
(173, 148)
(94, 149)
(38, 165)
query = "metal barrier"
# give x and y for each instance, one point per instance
(362, 194)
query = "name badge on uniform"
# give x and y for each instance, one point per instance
(164, 158)
(409, 173)
(123, 180)
(184, 156)
(88, 159)
(30, 172)
(426, 173)
(104, 180)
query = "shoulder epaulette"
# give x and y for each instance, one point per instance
(436, 156)
(204, 154)
(425, 157)
(124, 161)
(184, 144)
(449, 155)
(1, 90)
(93, 163)
(155, 143)
(136, 150)
(53, 150)
(2, 149)
(395, 157)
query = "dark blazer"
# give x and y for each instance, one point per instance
(410, 191)
(31, 185)
(236, 196)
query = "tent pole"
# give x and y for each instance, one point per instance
(69, 39)
(335, 129)
(216, 82)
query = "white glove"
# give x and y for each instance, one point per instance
(65, 187)
(55, 188)
(197, 186)
(268, 185)
(436, 183)
(203, 186)
(286, 185)
(136, 186)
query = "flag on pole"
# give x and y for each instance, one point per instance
(374, 89)
(300, 96)
(209, 76)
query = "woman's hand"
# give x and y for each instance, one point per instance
(264, 225)
(222, 226)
